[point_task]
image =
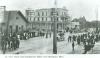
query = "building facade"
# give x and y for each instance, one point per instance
(42, 19)
(75, 26)
(2, 10)
(14, 21)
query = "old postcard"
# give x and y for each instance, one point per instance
(49, 27)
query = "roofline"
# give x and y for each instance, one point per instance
(46, 9)
(23, 16)
(18, 11)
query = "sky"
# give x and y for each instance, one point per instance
(76, 8)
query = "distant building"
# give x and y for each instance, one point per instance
(42, 19)
(75, 25)
(91, 29)
(14, 21)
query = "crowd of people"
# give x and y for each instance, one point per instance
(87, 40)
(11, 41)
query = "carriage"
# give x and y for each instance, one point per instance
(60, 36)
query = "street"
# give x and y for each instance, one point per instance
(39, 45)
(42, 45)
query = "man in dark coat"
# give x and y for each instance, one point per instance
(78, 40)
(4, 43)
(73, 46)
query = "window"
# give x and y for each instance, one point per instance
(17, 18)
(43, 24)
(57, 18)
(22, 27)
(51, 19)
(46, 13)
(19, 28)
(30, 18)
(16, 28)
(38, 14)
(10, 28)
(42, 13)
(1, 29)
(57, 14)
(3, 23)
(64, 13)
(42, 19)
(46, 19)
(34, 19)
(38, 19)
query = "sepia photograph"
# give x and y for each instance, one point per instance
(49, 26)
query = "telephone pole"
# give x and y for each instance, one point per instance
(97, 20)
(54, 13)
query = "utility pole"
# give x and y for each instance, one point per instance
(54, 13)
(97, 20)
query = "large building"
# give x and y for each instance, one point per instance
(42, 19)
(13, 21)
(2, 11)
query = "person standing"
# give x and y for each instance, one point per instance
(73, 46)
(4, 43)
(85, 49)
(69, 39)
(74, 38)
(46, 35)
(78, 40)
